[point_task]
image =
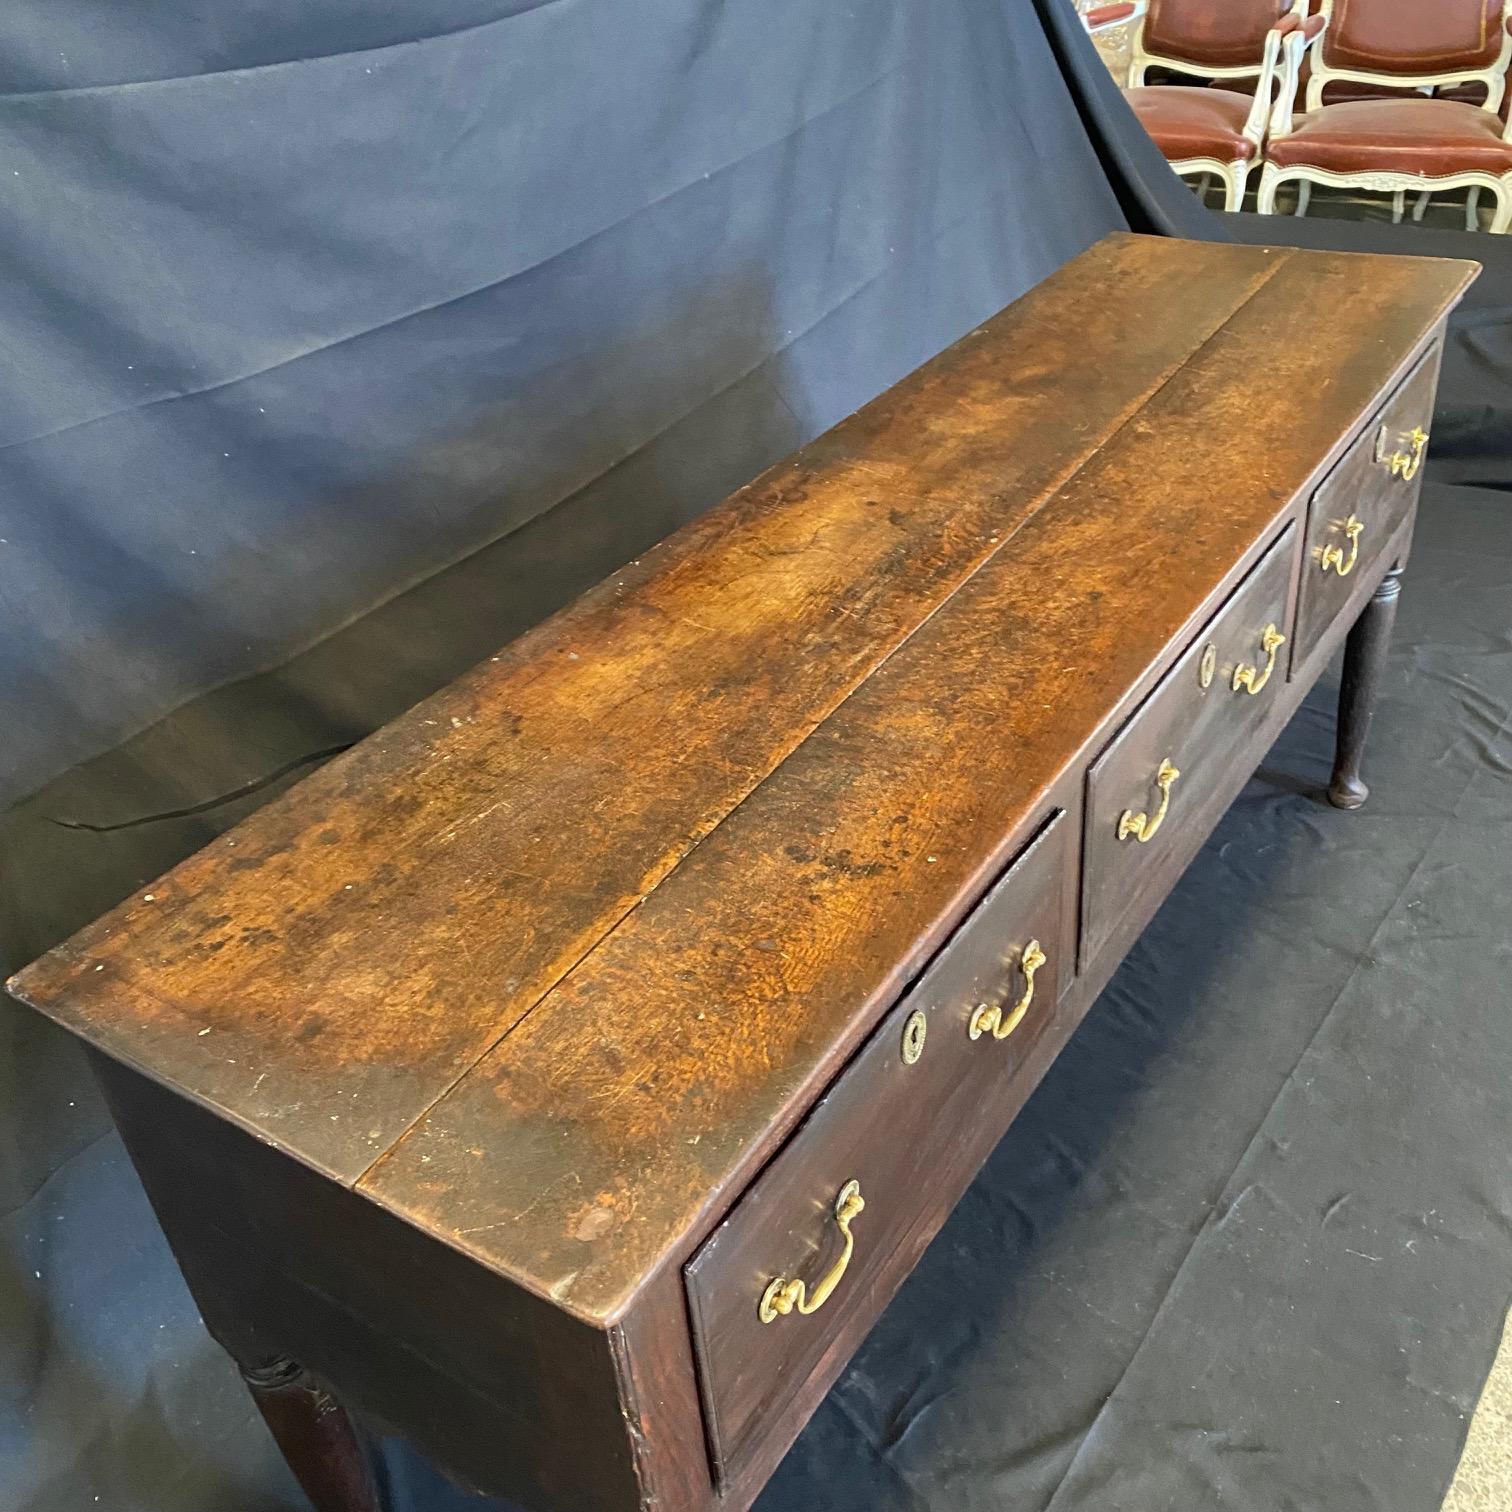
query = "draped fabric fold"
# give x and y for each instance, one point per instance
(283, 338)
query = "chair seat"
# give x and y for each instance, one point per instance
(1189, 121)
(1414, 136)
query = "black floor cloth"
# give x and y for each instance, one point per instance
(1250, 1244)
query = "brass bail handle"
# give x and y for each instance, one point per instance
(990, 1019)
(1251, 679)
(1404, 464)
(1143, 827)
(783, 1296)
(1333, 556)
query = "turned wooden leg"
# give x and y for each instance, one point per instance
(1364, 663)
(320, 1442)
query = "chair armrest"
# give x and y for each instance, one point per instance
(1298, 33)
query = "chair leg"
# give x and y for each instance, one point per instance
(1501, 222)
(1472, 208)
(1204, 183)
(1398, 206)
(1235, 181)
(1420, 208)
(1270, 181)
(1304, 196)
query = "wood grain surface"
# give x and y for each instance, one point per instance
(546, 974)
(599, 920)
(328, 969)
(595, 1142)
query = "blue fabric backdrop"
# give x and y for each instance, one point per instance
(305, 299)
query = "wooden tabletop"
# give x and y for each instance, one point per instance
(549, 964)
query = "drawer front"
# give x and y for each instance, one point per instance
(783, 1290)
(1358, 507)
(1144, 823)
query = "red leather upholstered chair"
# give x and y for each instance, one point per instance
(1202, 130)
(1406, 142)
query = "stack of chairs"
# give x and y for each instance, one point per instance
(1405, 97)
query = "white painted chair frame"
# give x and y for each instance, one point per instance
(1400, 184)
(1235, 174)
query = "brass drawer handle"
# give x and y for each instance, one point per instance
(990, 1020)
(782, 1296)
(1251, 679)
(1142, 827)
(1403, 464)
(1333, 556)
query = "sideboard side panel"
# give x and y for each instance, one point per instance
(504, 1391)
(653, 1347)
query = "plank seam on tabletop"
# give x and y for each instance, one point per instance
(1050, 492)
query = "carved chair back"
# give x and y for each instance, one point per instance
(1414, 45)
(1214, 41)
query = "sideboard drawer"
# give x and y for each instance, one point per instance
(1156, 789)
(1359, 505)
(783, 1290)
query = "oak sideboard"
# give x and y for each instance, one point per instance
(566, 1077)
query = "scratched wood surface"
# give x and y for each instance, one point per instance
(596, 923)
(328, 969)
(591, 1146)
